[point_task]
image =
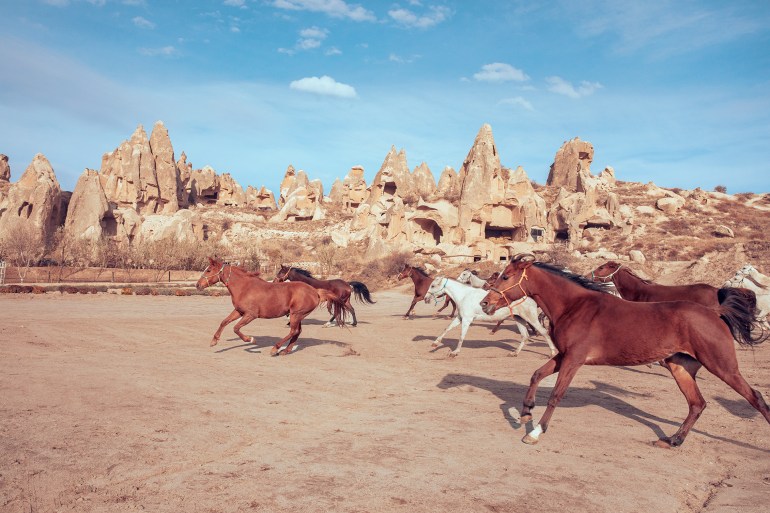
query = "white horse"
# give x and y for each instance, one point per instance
(748, 277)
(471, 279)
(468, 301)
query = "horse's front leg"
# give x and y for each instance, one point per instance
(566, 373)
(230, 318)
(463, 330)
(549, 368)
(524, 332)
(437, 342)
(411, 307)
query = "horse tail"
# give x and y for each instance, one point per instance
(336, 306)
(738, 309)
(361, 292)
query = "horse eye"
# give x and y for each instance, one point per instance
(505, 276)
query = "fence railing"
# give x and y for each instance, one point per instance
(2, 272)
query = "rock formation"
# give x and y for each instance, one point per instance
(393, 179)
(89, 214)
(35, 201)
(423, 181)
(166, 172)
(260, 199)
(351, 191)
(301, 198)
(572, 160)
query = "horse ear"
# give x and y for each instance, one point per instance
(212, 261)
(524, 257)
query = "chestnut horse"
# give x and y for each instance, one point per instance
(591, 327)
(255, 298)
(341, 288)
(422, 281)
(634, 288)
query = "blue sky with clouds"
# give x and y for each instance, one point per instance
(676, 92)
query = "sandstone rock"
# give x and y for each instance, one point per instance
(166, 172)
(230, 193)
(637, 256)
(724, 231)
(608, 176)
(572, 160)
(87, 213)
(449, 185)
(287, 185)
(669, 205)
(481, 166)
(36, 200)
(5, 178)
(203, 186)
(302, 201)
(260, 199)
(393, 179)
(423, 181)
(179, 226)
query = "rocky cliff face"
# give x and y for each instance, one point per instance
(572, 161)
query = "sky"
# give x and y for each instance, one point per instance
(674, 92)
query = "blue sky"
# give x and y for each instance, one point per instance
(674, 92)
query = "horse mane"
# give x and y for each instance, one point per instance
(632, 273)
(584, 282)
(421, 271)
(303, 272)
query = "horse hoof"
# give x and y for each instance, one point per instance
(513, 354)
(253, 340)
(213, 343)
(662, 444)
(529, 440)
(275, 352)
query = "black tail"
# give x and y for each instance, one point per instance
(738, 308)
(361, 292)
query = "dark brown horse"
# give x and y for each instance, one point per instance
(422, 281)
(342, 289)
(632, 287)
(255, 298)
(591, 327)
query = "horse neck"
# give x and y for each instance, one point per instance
(628, 284)
(238, 281)
(295, 276)
(553, 294)
(477, 282)
(758, 278)
(418, 278)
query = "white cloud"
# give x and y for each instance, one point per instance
(134, 2)
(234, 29)
(560, 86)
(314, 33)
(236, 3)
(518, 101)
(333, 51)
(142, 22)
(324, 85)
(500, 72)
(57, 3)
(402, 60)
(408, 18)
(333, 8)
(165, 51)
(308, 44)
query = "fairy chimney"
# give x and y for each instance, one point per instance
(393, 179)
(88, 215)
(166, 172)
(423, 181)
(571, 161)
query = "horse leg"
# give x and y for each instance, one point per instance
(524, 332)
(411, 307)
(566, 373)
(683, 368)
(247, 318)
(230, 318)
(549, 368)
(497, 326)
(446, 302)
(296, 329)
(352, 311)
(454, 305)
(436, 342)
(463, 330)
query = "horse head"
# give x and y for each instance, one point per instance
(283, 273)
(211, 274)
(465, 276)
(491, 280)
(437, 288)
(406, 271)
(605, 272)
(508, 286)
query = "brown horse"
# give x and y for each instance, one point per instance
(255, 298)
(422, 281)
(342, 289)
(632, 287)
(591, 327)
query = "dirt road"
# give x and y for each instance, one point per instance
(116, 403)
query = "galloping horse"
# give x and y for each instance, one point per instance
(467, 299)
(340, 288)
(590, 327)
(633, 288)
(472, 279)
(421, 281)
(255, 298)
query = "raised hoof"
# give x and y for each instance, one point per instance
(275, 351)
(529, 440)
(214, 342)
(453, 354)
(253, 340)
(513, 354)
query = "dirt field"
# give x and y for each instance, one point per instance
(116, 403)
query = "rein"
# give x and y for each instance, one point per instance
(608, 278)
(517, 284)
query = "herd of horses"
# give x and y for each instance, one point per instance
(610, 317)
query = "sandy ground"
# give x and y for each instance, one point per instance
(116, 403)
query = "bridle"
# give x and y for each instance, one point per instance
(220, 275)
(401, 275)
(517, 284)
(285, 276)
(439, 292)
(605, 279)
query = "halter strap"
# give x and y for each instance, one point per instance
(285, 276)
(435, 296)
(220, 274)
(517, 284)
(607, 278)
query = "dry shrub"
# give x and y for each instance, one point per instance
(181, 292)
(37, 289)
(143, 291)
(127, 291)
(68, 289)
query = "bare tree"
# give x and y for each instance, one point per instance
(23, 247)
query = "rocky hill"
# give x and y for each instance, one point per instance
(482, 213)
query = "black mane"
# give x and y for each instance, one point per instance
(421, 271)
(584, 282)
(303, 272)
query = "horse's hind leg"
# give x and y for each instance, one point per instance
(352, 311)
(684, 368)
(549, 368)
(524, 332)
(247, 318)
(726, 368)
(411, 307)
(296, 329)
